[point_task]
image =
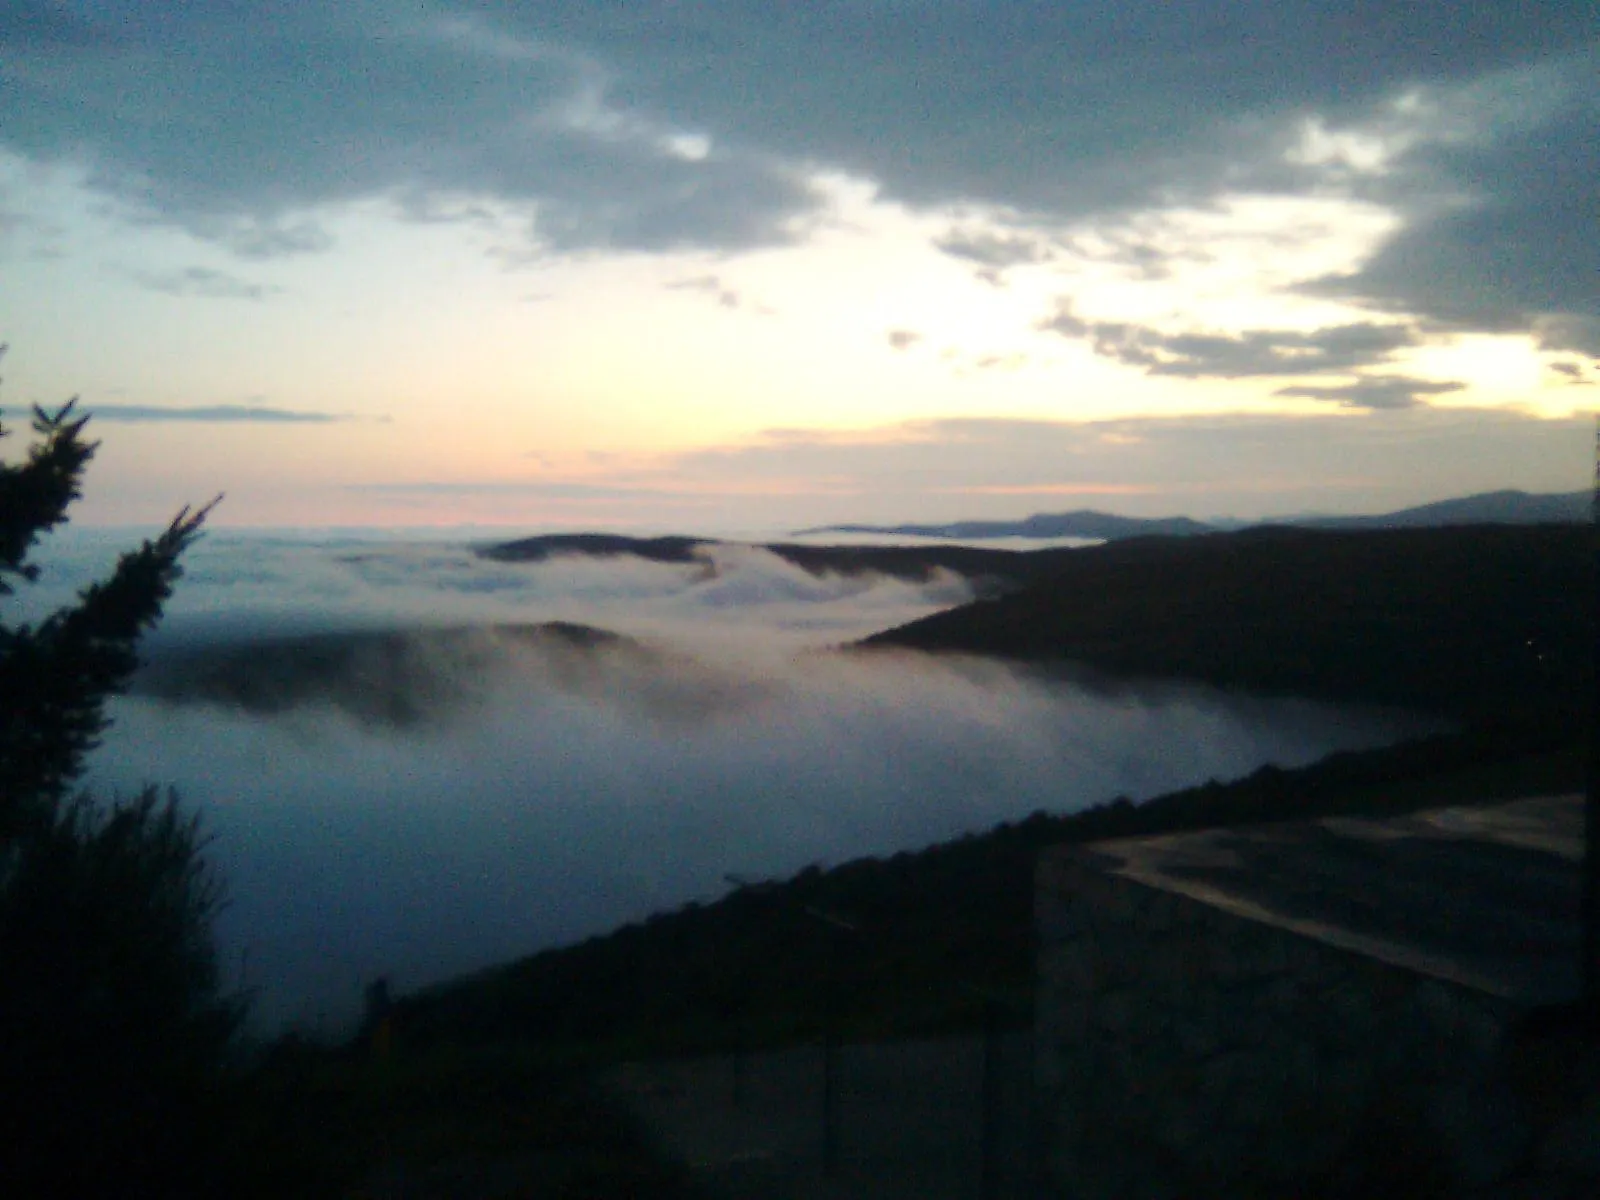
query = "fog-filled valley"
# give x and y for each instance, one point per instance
(408, 771)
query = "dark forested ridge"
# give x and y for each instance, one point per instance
(1507, 507)
(597, 545)
(1481, 622)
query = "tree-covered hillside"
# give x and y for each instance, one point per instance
(1488, 623)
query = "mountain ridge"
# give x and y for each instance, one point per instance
(1507, 506)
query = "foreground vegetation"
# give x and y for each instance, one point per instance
(124, 1071)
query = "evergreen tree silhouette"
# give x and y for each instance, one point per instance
(114, 1036)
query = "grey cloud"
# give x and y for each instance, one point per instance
(1576, 374)
(1567, 331)
(568, 109)
(212, 414)
(1499, 234)
(253, 238)
(1131, 251)
(431, 489)
(902, 339)
(1040, 105)
(1254, 353)
(712, 286)
(236, 125)
(994, 252)
(201, 281)
(1384, 391)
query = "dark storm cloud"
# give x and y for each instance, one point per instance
(655, 125)
(235, 120)
(1503, 232)
(201, 281)
(1043, 106)
(1256, 352)
(209, 113)
(1382, 391)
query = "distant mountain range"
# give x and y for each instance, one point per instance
(1488, 508)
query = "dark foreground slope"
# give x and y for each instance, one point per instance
(1486, 623)
(930, 934)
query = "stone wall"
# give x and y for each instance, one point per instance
(1187, 1050)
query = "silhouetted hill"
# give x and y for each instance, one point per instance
(1470, 620)
(912, 563)
(1487, 508)
(397, 677)
(598, 545)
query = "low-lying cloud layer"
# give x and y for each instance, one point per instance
(556, 790)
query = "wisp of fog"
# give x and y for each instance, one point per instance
(405, 775)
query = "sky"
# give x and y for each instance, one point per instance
(732, 265)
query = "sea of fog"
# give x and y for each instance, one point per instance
(536, 793)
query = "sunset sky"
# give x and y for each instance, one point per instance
(744, 264)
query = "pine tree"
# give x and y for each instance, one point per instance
(114, 1035)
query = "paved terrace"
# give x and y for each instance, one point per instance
(1485, 897)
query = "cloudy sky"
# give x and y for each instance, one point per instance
(740, 264)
